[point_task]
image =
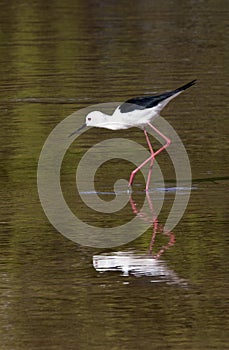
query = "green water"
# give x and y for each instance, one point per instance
(56, 58)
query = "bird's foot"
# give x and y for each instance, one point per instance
(132, 175)
(129, 190)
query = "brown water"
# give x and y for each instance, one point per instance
(57, 57)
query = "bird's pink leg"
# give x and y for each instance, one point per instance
(152, 160)
(168, 141)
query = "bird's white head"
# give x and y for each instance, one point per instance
(95, 118)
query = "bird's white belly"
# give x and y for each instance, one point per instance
(135, 118)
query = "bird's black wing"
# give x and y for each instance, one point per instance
(140, 103)
(150, 101)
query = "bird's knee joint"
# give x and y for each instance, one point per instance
(168, 142)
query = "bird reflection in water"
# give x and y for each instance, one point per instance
(132, 263)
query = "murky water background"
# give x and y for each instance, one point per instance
(56, 58)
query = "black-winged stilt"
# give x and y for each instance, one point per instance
(136, 112)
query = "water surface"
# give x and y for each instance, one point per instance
(56, 58)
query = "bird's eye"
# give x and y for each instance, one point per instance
(89, 119)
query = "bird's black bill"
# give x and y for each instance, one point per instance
(76, 131)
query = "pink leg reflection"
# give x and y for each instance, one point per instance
(157, 228)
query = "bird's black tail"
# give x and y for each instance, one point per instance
(186, 86)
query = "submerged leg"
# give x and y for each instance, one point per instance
(153, 154)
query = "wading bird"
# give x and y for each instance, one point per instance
(136, 112)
